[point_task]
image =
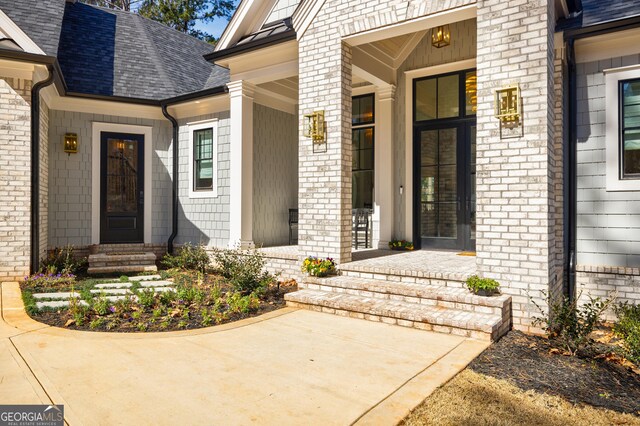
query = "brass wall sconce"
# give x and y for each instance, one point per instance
(71, 143)
(440, 36)
(314, 126)
(507, 105)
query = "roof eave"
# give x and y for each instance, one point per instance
(282, 37)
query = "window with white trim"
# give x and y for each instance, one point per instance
(203, 159)
(623, 128)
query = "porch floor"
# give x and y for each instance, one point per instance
(418, 263)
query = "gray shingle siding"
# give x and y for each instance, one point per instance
(204, 220)
(608, 223)
(275, 174)
(70, 177)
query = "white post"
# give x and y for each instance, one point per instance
(384, 172)
(241, 164)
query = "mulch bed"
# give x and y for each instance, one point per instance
(596, 378)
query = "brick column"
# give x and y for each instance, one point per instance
(325, 169)
(15, 178)
(515, 235)
(241, 164)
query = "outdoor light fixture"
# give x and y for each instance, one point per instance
(314, 126)
(71, 143)
(440, 36)
(507, 102)
(471, 90)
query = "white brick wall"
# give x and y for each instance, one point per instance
(15, 177)
(516, 177)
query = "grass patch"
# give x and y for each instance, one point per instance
(475, 399)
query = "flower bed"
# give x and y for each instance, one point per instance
(317, 267)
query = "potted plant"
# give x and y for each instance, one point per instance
(482, 286)
(317, 267)
(401, 245)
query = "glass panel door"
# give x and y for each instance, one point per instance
(438, 186)
(122, 194)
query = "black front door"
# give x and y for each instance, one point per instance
(445, 162)
(121, 188)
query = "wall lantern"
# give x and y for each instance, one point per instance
(71, 143)
(440, 36)
(507, 102)
(314, 126)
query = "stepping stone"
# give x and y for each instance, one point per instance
(145, 278)
(113, 285)
(112, 291)
(163, 289)
(156, 284)
(57, 304)
(62, 295)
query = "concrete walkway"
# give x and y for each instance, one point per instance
(286, 367)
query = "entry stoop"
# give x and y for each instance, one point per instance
(442, 308)
(121, 258)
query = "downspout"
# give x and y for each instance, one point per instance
(571, 165)
(174, 195)
(35, 169)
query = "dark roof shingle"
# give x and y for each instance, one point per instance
(596, 12)
(113, 53)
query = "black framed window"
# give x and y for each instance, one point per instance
(630, 129)
(203, 159)
(447, 96)
(363, 151)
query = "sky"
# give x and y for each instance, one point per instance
(215, 27)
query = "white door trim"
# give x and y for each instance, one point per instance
(97, 129)
(408, 150)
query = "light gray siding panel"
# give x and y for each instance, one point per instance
(204, 220)
(608, 222)
(70, 177)
(275, 174)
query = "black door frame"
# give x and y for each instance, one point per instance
(463, 123)
(110, 236)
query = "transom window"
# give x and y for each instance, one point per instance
(445, 96)
(363, 153)
(203, 159)
(630, 129)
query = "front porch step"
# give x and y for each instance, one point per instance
(121, 262)
(423, 294)
(408, 276)
(432, 318)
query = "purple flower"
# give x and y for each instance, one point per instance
(112, 309)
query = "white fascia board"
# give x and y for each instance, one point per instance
(14, 32)
(249, 15)
(305, 14)
(605, 46)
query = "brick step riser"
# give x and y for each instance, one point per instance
(121, 269)
(404, 279)
(121, 263)
(476, 334)
(411, 299)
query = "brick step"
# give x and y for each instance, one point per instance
(99, 270)
(454, 280)
(425, 294)
(434, 318)
(120, 248)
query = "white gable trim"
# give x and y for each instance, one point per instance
(305, 14)
(248, 16)
(16, 34)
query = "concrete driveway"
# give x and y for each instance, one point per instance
(286, 367)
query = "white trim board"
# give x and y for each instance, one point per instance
(408, 154)
(613, 45)
(14, 32)
(612, 134)
(97, 129)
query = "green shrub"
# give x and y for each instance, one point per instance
(63, 261)
(240, 304)
(477, 284)
(147, 298)
(189, 258)
(244, 269)
(102, 305)
(628, 328)
(570, 323)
